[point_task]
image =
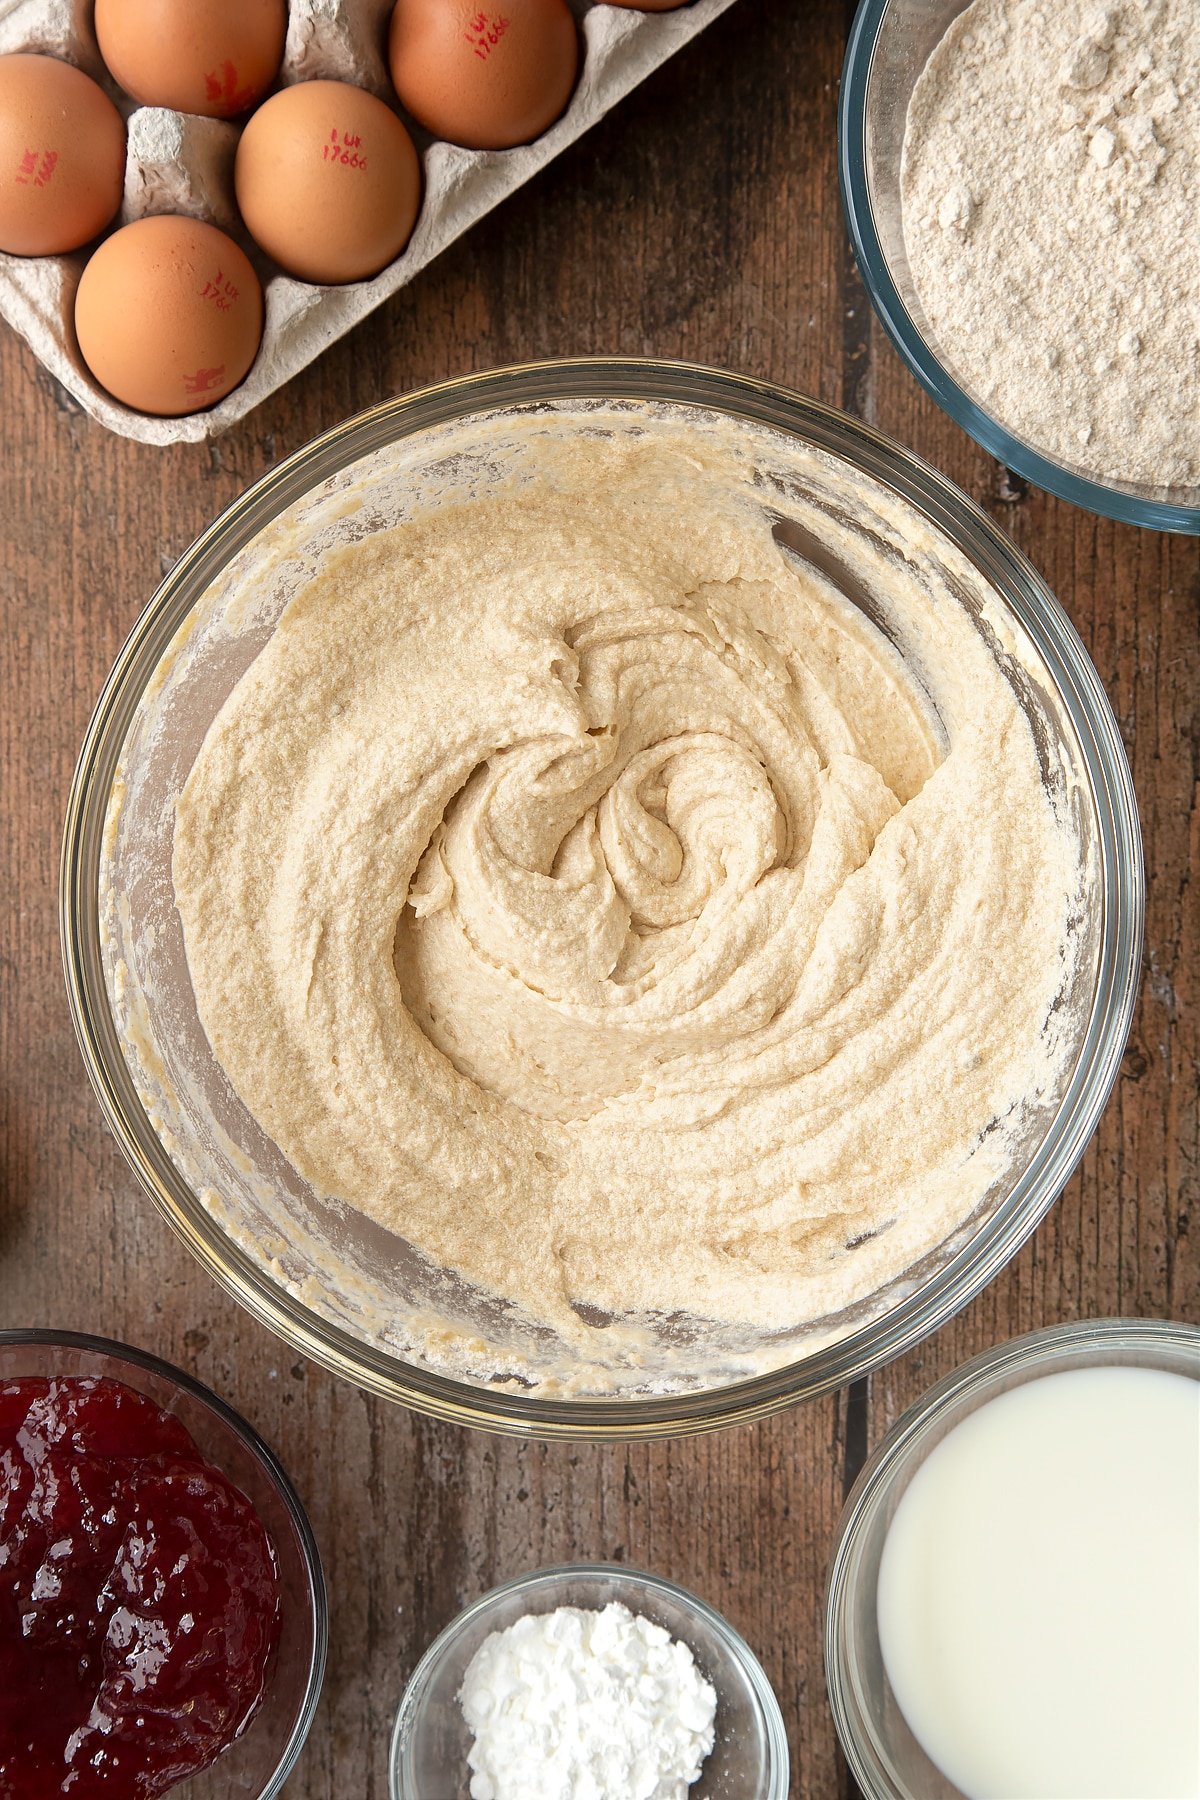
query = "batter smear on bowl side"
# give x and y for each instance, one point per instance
(580, 886)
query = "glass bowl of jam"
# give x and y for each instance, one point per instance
(163, 1620)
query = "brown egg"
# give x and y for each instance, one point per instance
(489, 76)
(62, 156)
(169, 315)
(215, 57)
(328, 181)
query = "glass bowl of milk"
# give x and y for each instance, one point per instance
(1013, 1610)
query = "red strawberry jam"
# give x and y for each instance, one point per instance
(138, 1596)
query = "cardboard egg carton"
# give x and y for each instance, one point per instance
(180, 163)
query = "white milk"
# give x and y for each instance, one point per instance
(1039, 1592)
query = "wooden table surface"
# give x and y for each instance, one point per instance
(700, 220)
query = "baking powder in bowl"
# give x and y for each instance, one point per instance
(586, 1705)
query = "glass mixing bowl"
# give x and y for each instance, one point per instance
(890, 43)
(256, 1765)
(886, 1759)
(748, 1761)
(336, 1285)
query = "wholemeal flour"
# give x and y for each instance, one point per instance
(579, 1705)
(1051, 201)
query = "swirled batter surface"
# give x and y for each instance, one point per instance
(582, 888)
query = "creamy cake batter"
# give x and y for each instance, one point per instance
(585, 890)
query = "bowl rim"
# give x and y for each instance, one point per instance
(771, 1712)
(744, 398)
(1032, 1354)
(918, 354)
(133, 1358)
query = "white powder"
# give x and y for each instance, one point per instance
(1051, 198)
(577, 1705)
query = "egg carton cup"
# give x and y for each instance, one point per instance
(180, 163)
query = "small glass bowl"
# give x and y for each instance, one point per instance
(890, 43)
(885, 1758)
(258, 1763)
(749, 1760)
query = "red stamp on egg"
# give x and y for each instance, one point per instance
(345, 149)
(34, 169)
(203, 381)
(221, 89)
(484, 32)
(220, 290)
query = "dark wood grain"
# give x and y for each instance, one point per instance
(699, 220)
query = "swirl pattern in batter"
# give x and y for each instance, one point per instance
(592, 896)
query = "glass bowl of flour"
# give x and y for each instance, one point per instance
(602, 899)
(612, 1673)
(1020, 185)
